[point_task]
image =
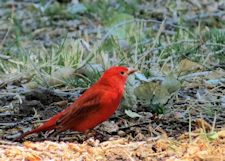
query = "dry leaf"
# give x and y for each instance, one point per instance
(186, 66)
(61, 103)
(221, 134)
(90, 69)
(109, 126)
(32, 157)
(158, 92)
(200, 123)
(28, 144)
(59, 76)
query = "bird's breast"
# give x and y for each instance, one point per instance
(111, 103)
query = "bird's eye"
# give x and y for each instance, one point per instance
(122, 73)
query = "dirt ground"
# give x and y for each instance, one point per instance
(152, 137)
(192, 127)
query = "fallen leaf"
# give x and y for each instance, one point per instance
(200, 123)
(132, 114)
(186, 66)
(32, 157)
(59, 76)
(90, 69)
(158, 92)
(213, 135)
(221, 134)
(109, 126)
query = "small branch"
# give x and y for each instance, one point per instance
(204, 16)
(192, 75)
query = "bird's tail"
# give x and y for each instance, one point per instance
(49, 125)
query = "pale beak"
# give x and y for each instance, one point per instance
(131, 71)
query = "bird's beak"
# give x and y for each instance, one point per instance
(131, 71)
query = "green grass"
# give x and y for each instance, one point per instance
(126, 34)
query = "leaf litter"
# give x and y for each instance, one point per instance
(191, 126)
(118, 149)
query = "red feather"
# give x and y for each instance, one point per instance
(96, 105)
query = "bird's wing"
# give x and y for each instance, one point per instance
(89, 102)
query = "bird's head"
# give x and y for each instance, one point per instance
(117, 75)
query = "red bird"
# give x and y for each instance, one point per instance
(96, 105)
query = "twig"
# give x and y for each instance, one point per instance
(4, 38)
(138, 124)
(214, 122)
(8, 58)
(4, 142)
(204, 16)
(12, 124)
(214, 44)
(189, 124)
(192, 75)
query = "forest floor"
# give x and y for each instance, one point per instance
(173, 108)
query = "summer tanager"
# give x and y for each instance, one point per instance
(93, 107)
